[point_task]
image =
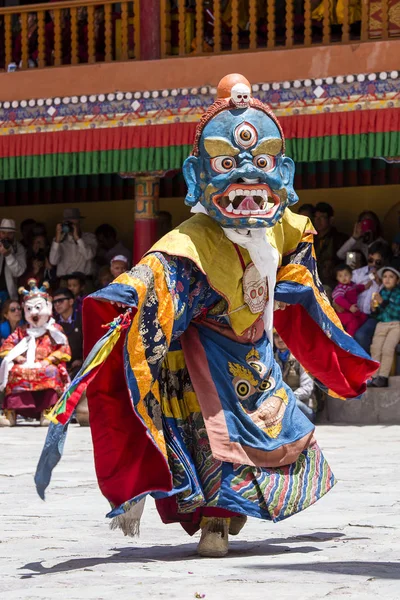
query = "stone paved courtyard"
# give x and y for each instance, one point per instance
(346, 546)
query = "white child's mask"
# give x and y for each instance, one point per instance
(37, 311)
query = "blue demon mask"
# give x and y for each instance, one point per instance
(238, 170)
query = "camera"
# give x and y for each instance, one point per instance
(354, 259)
(351, 258)
(67, 227)
(6, 244)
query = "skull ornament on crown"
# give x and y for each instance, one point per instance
(37, 304)
(238, 170)
(240, 95)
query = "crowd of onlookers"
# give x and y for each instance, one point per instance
(74, 263)
(361, 276)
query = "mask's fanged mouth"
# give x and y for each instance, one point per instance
(35, 319)
(240, 200)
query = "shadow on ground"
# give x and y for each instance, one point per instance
(167, 553)
(369, 569)
(184, 552)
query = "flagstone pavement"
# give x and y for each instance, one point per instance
(345, 546)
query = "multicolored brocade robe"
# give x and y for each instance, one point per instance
(224, 428)
(52, 375)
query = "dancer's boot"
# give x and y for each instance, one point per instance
(44, 421)
(9, 419)
(237, 524)
(214, 537)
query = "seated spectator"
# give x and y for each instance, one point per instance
(295, 377)
(11, 318)
(104, 276)
(71, 322)
(39, 266)
(33, 373)
(367, 230)
(386, 308)
(76, 284)
(12, 261)
(307, 210)
(73, 250)
(108, 246)
(395, 262)
(33, 48)
(376, 260)
(118, 265)
(345, 294)
(327, 243)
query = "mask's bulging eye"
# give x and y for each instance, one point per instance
(243, 388)
(223, 164)
(265, 162)
(245, 135)
(267, 384)
(258, 366)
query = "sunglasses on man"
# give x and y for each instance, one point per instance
(373, 261)
(60, 300)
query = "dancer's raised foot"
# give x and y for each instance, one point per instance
(237, 523)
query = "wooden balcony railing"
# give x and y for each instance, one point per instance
(198, 27)
(91, 31)
(68, 33)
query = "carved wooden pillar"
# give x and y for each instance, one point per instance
(147, 191)
(150, 39)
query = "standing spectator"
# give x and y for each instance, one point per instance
(12, 260)
(26, 229)
(71, 322)
(307, 210)
(11, 317)
(108, 246)
(164, 223)
(118, 265)
(104, 276)
(376, 259)
(72, 250)
(345, 295)
(386, 307)
(76, 284)
(50, 31)
(367, 230)
(38, 265)
(327, 243)
(39, 229)
(295, 377)
(395, 262)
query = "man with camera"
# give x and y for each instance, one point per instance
(73, 250)
(12, 261)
